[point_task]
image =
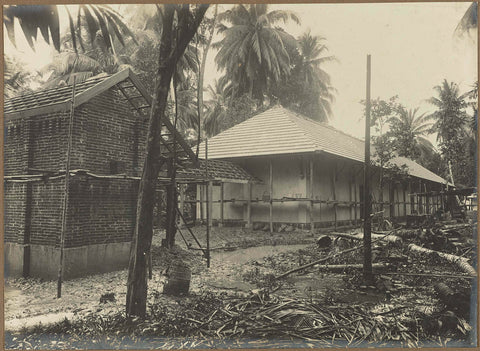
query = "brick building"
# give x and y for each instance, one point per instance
(108, 140)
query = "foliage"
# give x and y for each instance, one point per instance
(307, 89)
(16, 80)
(469, 20)
(451, 124)
(381, 111)
(253, 51)
(223, 113)
(98, 18)
(409, 131)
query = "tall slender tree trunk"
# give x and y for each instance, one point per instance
(201, 75)
(169, 53)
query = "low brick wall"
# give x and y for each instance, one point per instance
(100, 212)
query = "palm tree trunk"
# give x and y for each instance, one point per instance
(201, 74)
(169, 54)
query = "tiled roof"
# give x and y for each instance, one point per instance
(281, 131)
(46, 97)
(217, 170)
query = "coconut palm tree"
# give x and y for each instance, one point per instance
(409, 131)
(15, 80)
(451, 120)
(469, 20)
(253, 49)
(216, 107)
(307, 89)
(450, 115)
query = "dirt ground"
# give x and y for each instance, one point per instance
(245, 261)
(31, 301)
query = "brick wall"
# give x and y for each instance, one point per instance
(101, 211)
(46, 222)
(14, 197)
(106, 130)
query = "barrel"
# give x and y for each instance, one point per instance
(178, 281)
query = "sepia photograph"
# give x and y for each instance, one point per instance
(240, 176)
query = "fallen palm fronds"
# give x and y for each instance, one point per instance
(263, 316)
(461, 262)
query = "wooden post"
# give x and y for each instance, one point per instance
(210, 204)
(207, 196)
(367, 227)
(182, 198)
(350, 200)
(391, 198)
(201, 186)
(312, 221)
(405, 199)
(249, 206)
(222, 195)
(159, 207)
(271, 195)
(334, 180)
(66, 193)
(427, 199)
(355, 197)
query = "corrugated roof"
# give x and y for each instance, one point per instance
(281, 131)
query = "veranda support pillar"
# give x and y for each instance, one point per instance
(248, 223)
(312, 222)
(200, 187)
(355, 197)
(271, 196)
(334, 180)
(222, 195)
(350, 217)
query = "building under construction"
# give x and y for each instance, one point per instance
(307, 174)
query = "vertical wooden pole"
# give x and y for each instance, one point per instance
(334, 180)
(249, 206)
(312, 221)
(200, 187)
(66, 192)
(427, 199)
(350, 207)
(182, 199)
(208, 202)
(391, 198)
(159, 207)
(271, 195)
(405, 199)
(355, 197)
(222, 195)
(367, 227)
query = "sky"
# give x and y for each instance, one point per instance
(412, 49)
(411, 44)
